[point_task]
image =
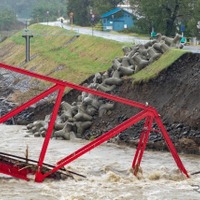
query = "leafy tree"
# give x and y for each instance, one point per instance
(35, 8)
(7, 19)
(165, 15)
(102, 6)
(44, 10)
(83, 9)
(192, 21)
(23, 8)
(80, 10)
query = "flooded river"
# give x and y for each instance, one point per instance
(107, 168)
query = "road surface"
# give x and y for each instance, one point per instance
(112, 36)
(106, 35)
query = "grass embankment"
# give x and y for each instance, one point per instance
(156, 67)
(55, 53)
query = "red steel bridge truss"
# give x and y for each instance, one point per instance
(146, 113)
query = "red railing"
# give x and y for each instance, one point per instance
(147, 112)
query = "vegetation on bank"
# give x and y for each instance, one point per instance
(65, 55)
(156, 67)
(62, 54)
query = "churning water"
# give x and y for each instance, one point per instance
(108, 171)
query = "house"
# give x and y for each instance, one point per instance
(117, 19)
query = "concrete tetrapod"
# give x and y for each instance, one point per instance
(78, 117)
(66, 132)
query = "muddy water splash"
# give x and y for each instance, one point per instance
(108, 171)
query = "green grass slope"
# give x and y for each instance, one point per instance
(153, 70)
(59, 53)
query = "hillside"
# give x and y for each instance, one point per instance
(59, 53)
(173, 89)
(175, 93)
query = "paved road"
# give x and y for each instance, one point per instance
(111, 36)
(194, 49)
(106, 35)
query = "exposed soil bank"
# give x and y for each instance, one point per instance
(175, 93)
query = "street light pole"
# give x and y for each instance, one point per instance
(47, 15)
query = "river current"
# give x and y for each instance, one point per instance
(107, 169)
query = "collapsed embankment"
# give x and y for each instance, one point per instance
(175, 93)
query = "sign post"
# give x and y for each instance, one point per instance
(182, 29)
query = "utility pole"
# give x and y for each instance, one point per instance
(47, 15)
(92, 19)
(27, 34)
(92, 22)
(71, 17)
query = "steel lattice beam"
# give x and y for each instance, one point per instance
(146, 112)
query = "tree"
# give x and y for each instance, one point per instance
(44, 10)
(7, 19)
(102, 6)
(80, 10)
(191, 23)
(83, 9)
(23, 8)
(165, 15)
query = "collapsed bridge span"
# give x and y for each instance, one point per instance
(146, 112)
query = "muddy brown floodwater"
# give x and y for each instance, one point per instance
(107, 169)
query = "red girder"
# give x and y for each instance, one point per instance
(106, 136)
(15, 171)
(74, 86)
(28, 103)
(148, 113)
